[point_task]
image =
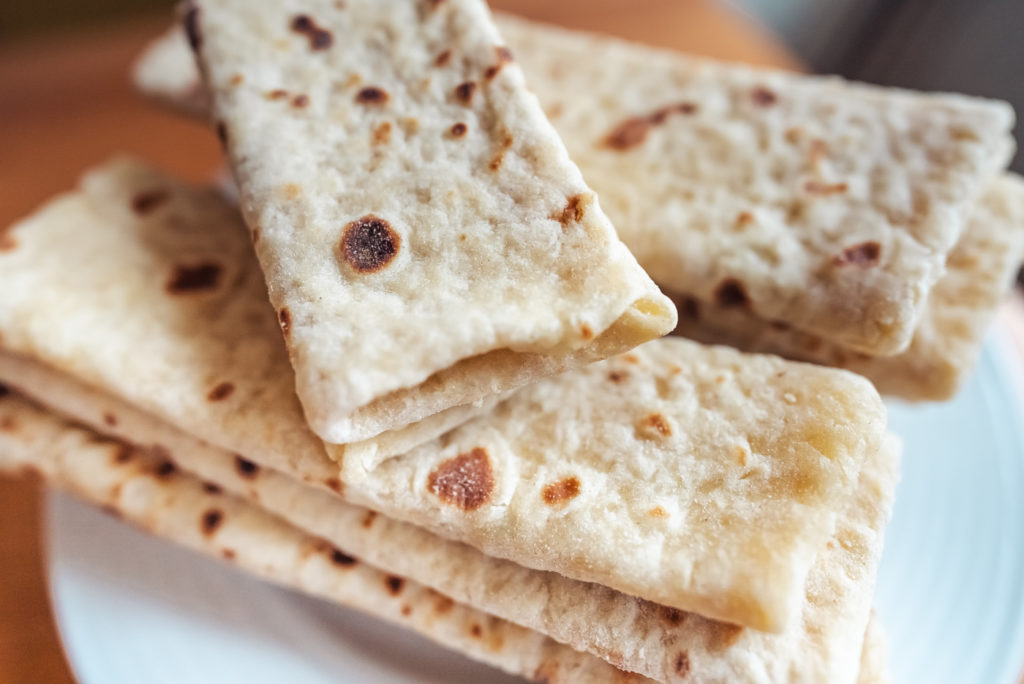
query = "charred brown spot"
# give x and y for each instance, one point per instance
(458, 130)
(629, 133)
(658, 423)
(145, 202)
(300, 101)
(319, 38)
(246, 468)
(763, 97)
(464, 92)
(211, 520)
(406, 610)
(222, 133)
(277, 94)
(825, 189)
(368, 518)
(434, 4)
(617, 376)
(476, 630)
(864, 254)
(394, 584)
(371, 95)
(682, 664)
(211, 488)
(722, 635)
(443, 58)
(4, 391)
(165, 469)
(672, 616)
(658, 512)
(221, 391)
(465, 481)
(335, 485)
(660, 115)
(342, 559)
(631, 358)
(744, 219)
(382, 133)
(730, 293)
(8, 424)
(190, 279)
(562, 491)
(586, 332)
(228, 554)
(284, 317)
(443, 604)
(236, 80)
(499, 157)
(369, 244)
(690, 307)
(504, 56)
(110, 419)
(124, 454)
(191, 22)
(572, 212)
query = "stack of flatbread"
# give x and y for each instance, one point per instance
(411, 368)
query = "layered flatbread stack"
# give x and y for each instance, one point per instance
(837, 223)
(451, 412)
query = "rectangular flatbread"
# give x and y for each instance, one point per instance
(979, 272)
(726, 470)
(828, 205)
(425, 239)
(634, 634)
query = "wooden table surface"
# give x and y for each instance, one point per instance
(67, 103)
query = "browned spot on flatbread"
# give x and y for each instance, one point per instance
(369, 244)
(458, 130)
(222, 133)
(211, 488)
(657, 512)
(372, 95)
(394, 584)
(744, 219)
(690, 307)
(682, 664)
(722, 635)
(504, 56)
(631, 358)
(443, 58)
(656, 423)
(146, 202)
(763, 97)
(561, 492)
(300, 101)
(586, 332)
(573, 211)
(236, 80)
(109, 419)
(617, 376)
(4, 391)
(824, 189)
(443, 604)
(633, 131)
(228, 554)
(341, 558)
(165, 469)
(8, 424)
(381, 133)
(464, 92)
(191, 22)
(406, 610)
(277, 94)
(864, 254)
(210, 521)
(659, 116)
(476, 631)
(368, 518)
(730, 293)
(335, 485)
(319, 38)
(284, 317)
(499, 157)
(221, 391)
(246, 468)
(124, 454)
(546, 673)
(188, 279)
(465, 481)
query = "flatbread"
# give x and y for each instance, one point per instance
(419, 223)
(727, 470)
(666, 645)
(151, 494)
(874, 666)
(763, 231)
(980, 270)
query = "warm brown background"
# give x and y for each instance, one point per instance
(66, 103)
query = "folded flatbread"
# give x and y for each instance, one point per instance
(822, 646)
(828, 205)
(979, 272)
(695, 477)
(425, 239)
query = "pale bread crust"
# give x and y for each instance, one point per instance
(631, 633)
(633, 432)
(979, 273)
(474, 253)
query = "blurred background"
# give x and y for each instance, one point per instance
(970, 46)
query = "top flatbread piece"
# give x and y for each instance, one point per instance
(414, 213)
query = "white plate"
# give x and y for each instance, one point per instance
(950, 593)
